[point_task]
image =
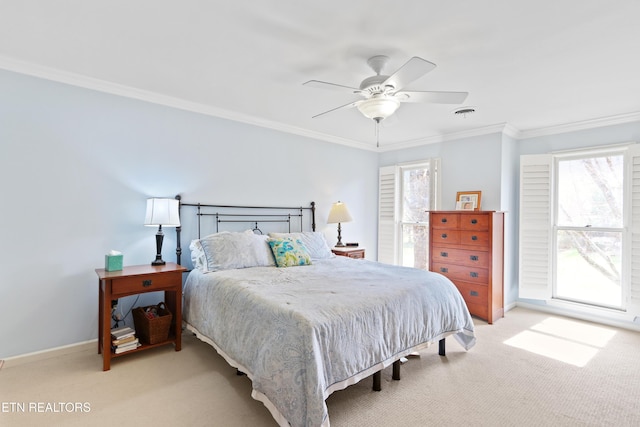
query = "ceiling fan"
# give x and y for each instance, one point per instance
(382, 94)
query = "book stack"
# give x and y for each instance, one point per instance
(123, 339)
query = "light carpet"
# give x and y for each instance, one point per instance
(528, 369)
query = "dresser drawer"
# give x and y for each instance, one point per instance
(442, 236)
(476, 297)
(474, 222)
(473, 258)
(462, 272)
(475, 238)
(445, 220)
(145, 282)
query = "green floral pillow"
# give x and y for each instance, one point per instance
(289, 252)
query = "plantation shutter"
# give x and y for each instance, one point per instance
(536, 226)
(633, 306)
(387, 215)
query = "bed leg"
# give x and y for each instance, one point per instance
(396, 370)
(377, 381)
(441, 348)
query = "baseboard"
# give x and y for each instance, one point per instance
(52, 352)
(511, 306)
(581, 316)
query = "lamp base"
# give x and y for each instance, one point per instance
(159, 238)
(339, 244)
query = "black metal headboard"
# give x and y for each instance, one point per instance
(236, 214)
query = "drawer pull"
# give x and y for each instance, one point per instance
(443, 235)
(444, 254)
(473, 274)
(474, 293)
(474, 237)
(444, 270)
(146, 283)
(443, 220)
(474, 221)
(473, 257)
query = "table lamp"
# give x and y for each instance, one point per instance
(161, 212)
(338, 214)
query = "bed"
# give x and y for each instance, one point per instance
(302, 323)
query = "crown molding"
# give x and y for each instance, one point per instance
(99, 85)
(581, 125)
(486, 130)
(48, 73)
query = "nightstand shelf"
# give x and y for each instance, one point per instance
(135, 280)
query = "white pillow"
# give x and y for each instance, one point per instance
(229, 250)
(198, 258)
(314, 241)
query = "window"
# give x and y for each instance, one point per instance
(589, 229)
(580, 228)
(406, 193)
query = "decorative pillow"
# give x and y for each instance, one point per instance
(229, 250)
(289, 252)
(314, 241)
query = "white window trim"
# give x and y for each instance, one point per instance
(537, 219)
(389, 193)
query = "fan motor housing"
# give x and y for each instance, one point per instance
(372, 85)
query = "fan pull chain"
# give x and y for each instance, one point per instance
(377, 132)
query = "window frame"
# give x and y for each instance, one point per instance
(536, 238)
(390, 205)
(588, 154)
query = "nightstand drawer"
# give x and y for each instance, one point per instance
(145, 283)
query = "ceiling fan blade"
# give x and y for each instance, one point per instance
(345, 106)
(434, 97)
(412, 70)
(331, 86)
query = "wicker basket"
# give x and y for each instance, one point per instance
(152, 330)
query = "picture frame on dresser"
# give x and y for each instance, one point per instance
(468, 200)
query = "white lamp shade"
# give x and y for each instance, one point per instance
(163, 212)
(339, 213)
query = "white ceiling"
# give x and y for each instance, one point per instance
(530, 67)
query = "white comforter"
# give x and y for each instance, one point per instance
(301, 333)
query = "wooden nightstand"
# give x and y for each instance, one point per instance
(134, 280)
(349, 252)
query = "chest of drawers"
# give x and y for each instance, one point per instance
(468, 248)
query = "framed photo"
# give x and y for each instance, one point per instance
(468, 200)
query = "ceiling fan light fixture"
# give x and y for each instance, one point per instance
(378, 107)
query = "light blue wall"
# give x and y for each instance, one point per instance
(491, 163)
(76, 167)
(486, 163)
(469, 164)
(618, 134)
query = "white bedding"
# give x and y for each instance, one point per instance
(301, 333)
